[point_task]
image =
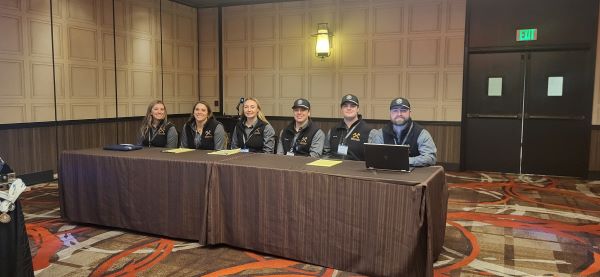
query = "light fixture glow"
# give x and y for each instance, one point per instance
(323, 45)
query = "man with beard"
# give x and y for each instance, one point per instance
(402, 130)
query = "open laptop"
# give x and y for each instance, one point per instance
(387, 156)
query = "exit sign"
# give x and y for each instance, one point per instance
(526, 34)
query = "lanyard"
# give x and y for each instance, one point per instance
(244, 139)
(296, 138)
(151, 137)
(348, 134)
(406, 137)
(197, 135)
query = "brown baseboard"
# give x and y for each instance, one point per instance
(450, 166)
(593, 175)
(37, 177)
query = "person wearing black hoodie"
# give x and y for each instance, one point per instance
(402, 130)
(301, 137)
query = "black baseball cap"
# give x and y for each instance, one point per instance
(349, 98)
(301, 103)
(400, 102)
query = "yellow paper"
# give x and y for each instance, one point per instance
(225, 152)
(178, 150)
(324, 163)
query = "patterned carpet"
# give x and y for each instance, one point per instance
(498, 225)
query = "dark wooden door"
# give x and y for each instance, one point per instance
(558, 106)
(528, 112)
(493, 122)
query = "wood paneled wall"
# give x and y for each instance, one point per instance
(155, 46)
(595, 150)
(29, 150)
(34, 149)
(381, 49)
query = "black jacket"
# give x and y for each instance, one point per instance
(354, 140)
(409, 136)
(208, 134)
(303, 142)
(158, 139)
(253, 142)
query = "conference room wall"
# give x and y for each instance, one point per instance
(26, 91)
(381, 50)
(34, 149)
(156, 58)
(31, 147)
(596, 105)
(208, 57)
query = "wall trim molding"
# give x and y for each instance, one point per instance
(77, 122)
(185, 115)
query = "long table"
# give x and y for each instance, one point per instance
(346, 217)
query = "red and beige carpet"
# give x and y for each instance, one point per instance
(498, 225)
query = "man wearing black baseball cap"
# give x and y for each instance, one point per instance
(345, 141)
(402, 130)
(301, 137)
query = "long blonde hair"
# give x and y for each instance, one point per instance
(147, 121)
(260, 114)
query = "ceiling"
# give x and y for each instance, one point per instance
(221, 3)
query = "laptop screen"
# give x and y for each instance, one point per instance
(387, 156)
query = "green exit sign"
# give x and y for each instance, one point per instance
(526, 34)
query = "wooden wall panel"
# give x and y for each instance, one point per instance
(29, 150)
(596, 111)
(33, 149)
(80, 136)
(84, 55)
(395, 48)
(595, 150)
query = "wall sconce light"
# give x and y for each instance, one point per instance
(323, 45)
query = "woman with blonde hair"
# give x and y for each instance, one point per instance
(156, 130)
(202, 130)
(253, 133)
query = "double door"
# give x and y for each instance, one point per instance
(528, 112)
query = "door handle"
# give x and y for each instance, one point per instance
(499, 116)
(556, 117)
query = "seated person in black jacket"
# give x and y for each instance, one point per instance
(202, 130)
(156, 130)
(253, 133)
(345, 141)
(301, 137)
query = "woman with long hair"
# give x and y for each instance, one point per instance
(156, 130)
(253, 133)
(202, 130)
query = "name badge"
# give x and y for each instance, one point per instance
(289, 153)
(244, 150)
(342, 149)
